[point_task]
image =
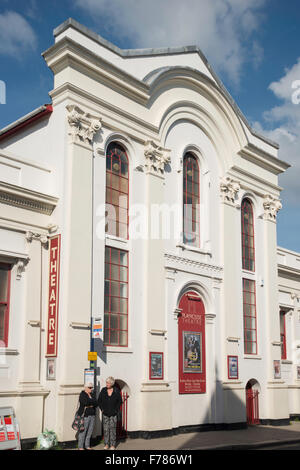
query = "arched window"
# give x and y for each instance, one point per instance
(248, 249)
(117, 190)
(191, 201)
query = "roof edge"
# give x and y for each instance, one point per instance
(25, 121)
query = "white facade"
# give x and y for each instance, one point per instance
(159, 105)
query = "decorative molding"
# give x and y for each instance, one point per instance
(271, 206)
(21, 263)
(156, 158)
(26, 199)
(208, 269)
(36, 236)
(82, 126)
(229, 190)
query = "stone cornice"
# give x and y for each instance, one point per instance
(176, 262)
(27, 199)
(263, 159)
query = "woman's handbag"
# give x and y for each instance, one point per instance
(78, 422)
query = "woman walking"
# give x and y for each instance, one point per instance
(87, 408)
(109, 402)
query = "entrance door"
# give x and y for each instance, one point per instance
(191, 344)
(252, 405)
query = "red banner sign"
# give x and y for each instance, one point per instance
(54, 247)
(191, 337)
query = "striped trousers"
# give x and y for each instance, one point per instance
(109, 430)
(84, 437)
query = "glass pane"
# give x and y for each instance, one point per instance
(114, 321)
(115, 272)
(123, 305)
(123, 216)
(107, 271)
(123, 290)
(3, 285)
(123, 322)
(2, 321)
(114, 288)
(114, 337)
(106, 304)
(115, 197)
(123, 338)
(115, 181)
(124, 166)
(106, 321)
(106, 336)
(106, 288)
(114, 304)
(123, 258)
(123, 201)
(114, 256)
(123, 274)
(124, 185)
(122, 230)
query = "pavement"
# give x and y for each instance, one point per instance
(254, 437)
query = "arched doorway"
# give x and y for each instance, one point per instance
(252, 402)
(191, 344)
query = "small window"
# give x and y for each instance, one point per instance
(117, 191)
(191, 201)
(248, 250)
(5, 271)
(116, 297)
(283, 335)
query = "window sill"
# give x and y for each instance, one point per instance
(112, 238)
(286, 361)
(252, 356)
(117, 349)
(194, 248)
(9, 352)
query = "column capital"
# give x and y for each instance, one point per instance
(272, 206)
(82, 125)
(156, 158)
(229, 190)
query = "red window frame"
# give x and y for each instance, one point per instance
(250, 316)
(248, 240)
(283, 334)
(117, 190)
(6, 304)
(191, 200)
(116, 280)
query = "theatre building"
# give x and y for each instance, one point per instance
(138, 220)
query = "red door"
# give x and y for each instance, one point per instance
(191, 344)
(252, 406)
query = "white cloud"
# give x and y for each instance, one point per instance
(223, 29)
(284, 121)
(16, 34)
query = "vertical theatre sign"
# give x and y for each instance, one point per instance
(54, 262)
(191, 347)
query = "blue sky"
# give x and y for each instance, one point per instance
(253, 45)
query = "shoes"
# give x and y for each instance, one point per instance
(106, 447)
(112, 448)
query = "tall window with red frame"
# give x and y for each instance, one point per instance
(117, 191)
(191, 201)
(248, 250)
(283, 335)
(5, 271)
(249, 308)
(116, 297)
